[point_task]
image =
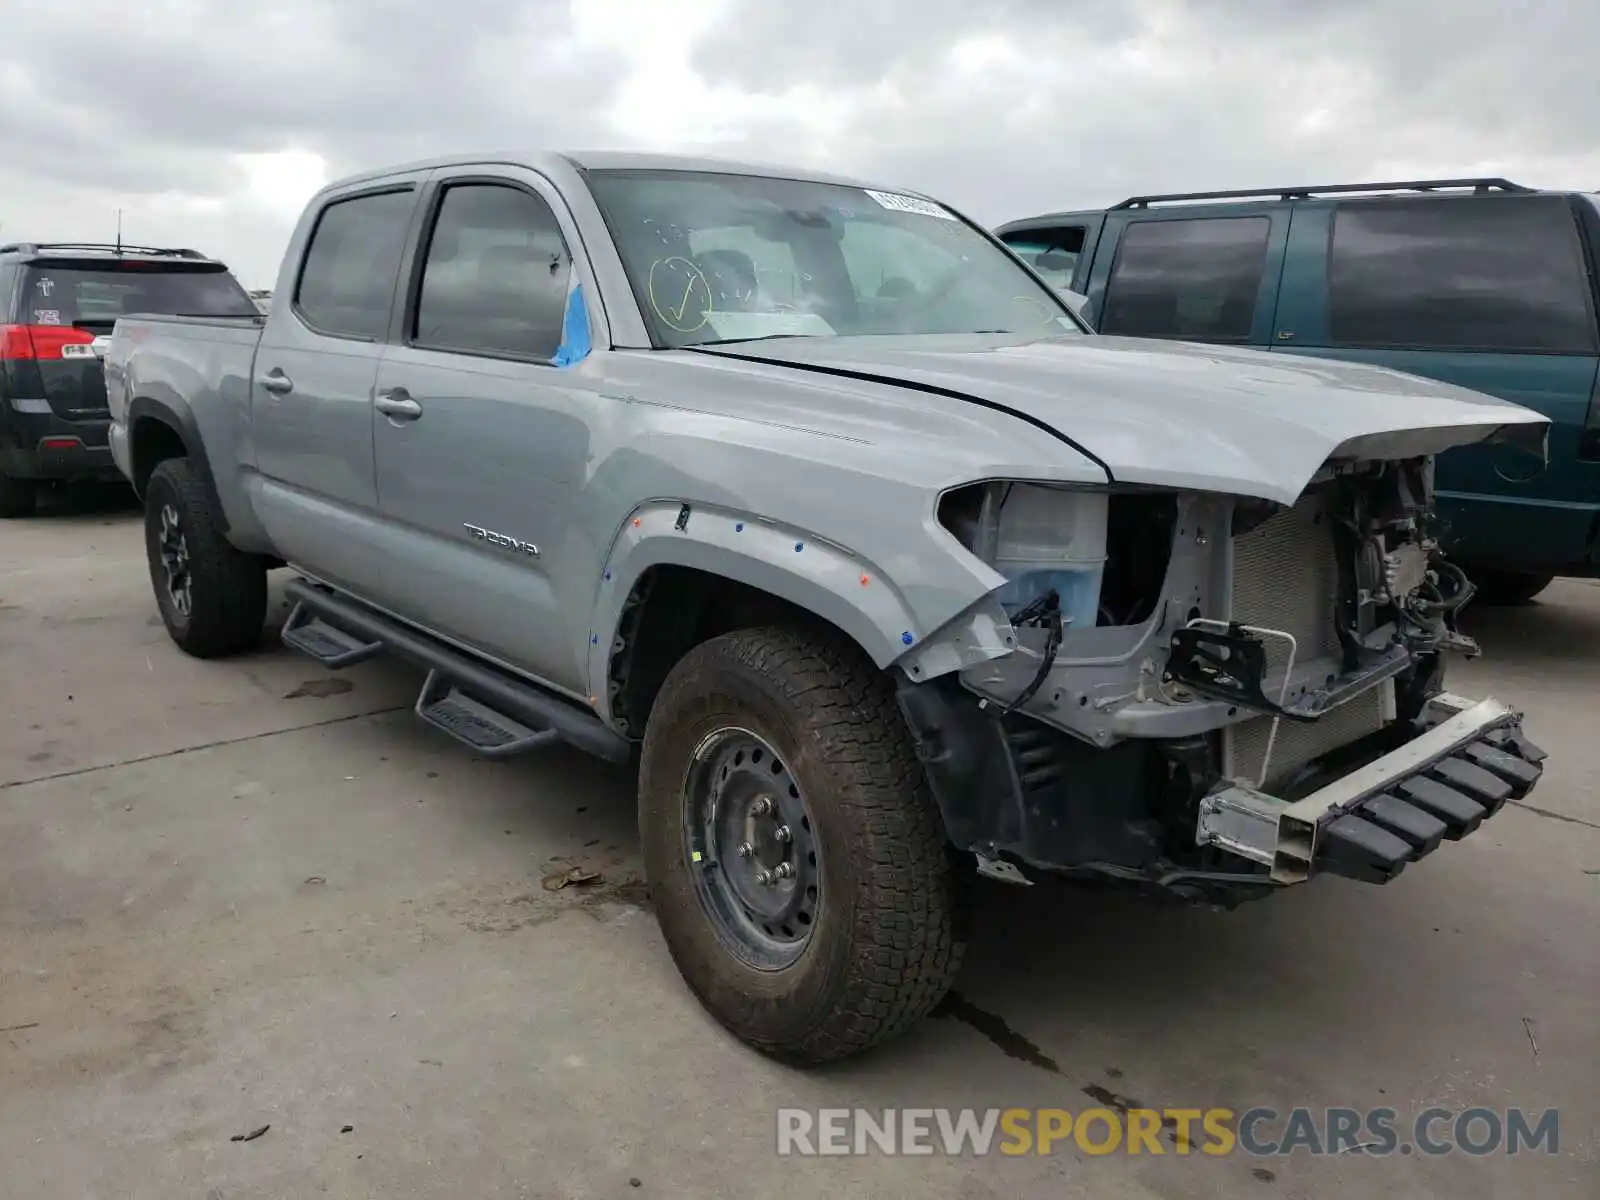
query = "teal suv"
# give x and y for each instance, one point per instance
(1482, 283)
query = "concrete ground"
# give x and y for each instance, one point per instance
(250, 893)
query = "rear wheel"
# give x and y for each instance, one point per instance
(796, 859)
(213, 597)
(17, 496)
(1506, 588)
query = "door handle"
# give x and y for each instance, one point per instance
(276, 382)
(397, 405)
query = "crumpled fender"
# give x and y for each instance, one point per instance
(817, 575)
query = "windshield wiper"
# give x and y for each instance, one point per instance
(765, 337)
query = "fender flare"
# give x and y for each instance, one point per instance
(181, 421)
(819, 576)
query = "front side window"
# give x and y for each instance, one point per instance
(721, 258)
(1052, 252)
(1480, 273)
(1188, 278)
(347, 281)
(495, 280)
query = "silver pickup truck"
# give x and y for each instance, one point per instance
(814, 494)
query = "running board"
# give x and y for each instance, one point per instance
(491, 710)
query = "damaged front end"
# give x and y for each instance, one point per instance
(1214, 695)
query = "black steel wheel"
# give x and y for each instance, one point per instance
(748, 833)
(796, 859)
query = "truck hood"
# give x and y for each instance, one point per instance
(1175, 414)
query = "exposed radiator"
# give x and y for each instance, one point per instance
(1286, 577)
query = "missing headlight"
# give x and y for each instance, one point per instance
(1105, 554)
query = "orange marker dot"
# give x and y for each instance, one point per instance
(636, 522)
(866, 579)
(594, 699)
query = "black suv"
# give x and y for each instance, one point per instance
(57, 302)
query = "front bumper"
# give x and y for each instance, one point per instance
(1470, 758)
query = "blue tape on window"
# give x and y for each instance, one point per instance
(575, 342)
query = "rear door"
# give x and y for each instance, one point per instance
(311, 396)
(1189, 275)
(64, 303)
(481, 425)
(1491, 292)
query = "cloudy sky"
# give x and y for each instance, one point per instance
(209, 122)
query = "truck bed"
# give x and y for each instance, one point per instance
(199, 367)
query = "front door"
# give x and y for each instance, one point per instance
(311, 398)
(481, 439)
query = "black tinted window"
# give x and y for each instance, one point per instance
(348, 277)
(77, 293)
(1194, 279)
(496, 275)
(1500, 273)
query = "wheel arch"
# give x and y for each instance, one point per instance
(159, 430)
(672, 581)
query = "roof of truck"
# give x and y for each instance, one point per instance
(612, 160)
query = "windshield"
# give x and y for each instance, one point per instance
(69, 293)
(719, 258)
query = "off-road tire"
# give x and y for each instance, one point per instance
(17, 496)
(885, 946)
(228, 588)
(1507, 589)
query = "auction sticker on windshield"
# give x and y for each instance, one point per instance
(910, 204)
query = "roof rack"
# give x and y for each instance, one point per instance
(1305, 193)
(112, 247)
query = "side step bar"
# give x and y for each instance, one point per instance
(485, 708)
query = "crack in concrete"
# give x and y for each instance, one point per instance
(1555, 816)
(233, 741)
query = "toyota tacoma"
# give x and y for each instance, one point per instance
(812, 495)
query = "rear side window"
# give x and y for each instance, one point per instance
(1497, 273)
(347, 281)
(1195, 279)
(95, 294)
(495, 280)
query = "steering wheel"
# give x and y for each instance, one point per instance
(939, 290)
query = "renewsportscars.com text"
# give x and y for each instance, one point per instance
(1260, 1132)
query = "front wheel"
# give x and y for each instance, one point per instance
(212, 596)
(1508, 588)
(795, 856)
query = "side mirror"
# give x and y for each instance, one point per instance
(1077, 302)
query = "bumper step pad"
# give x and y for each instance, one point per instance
(308, 633)
(1420, 829)
(1460, 814)
(493, 734)
(1375, 840)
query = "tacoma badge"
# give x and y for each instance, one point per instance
(503, 540)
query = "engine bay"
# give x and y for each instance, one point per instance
(1225, 639)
